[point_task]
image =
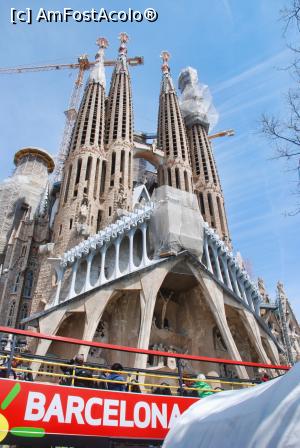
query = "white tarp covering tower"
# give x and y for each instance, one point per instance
(200, 116)
(196, 100)
(177, 223)
(24, 188)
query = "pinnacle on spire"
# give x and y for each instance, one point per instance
(97, 72)
(124, 38)
(102, 42)
(165, 55)
(121, 65)
(167, 82)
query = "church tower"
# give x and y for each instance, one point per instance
(196, 106)
(119, 137)
(82, 191)
(171, 135)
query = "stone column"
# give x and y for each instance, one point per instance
(242, 286)
(214, 297)
(249, 298)
(254, 334)
(102, 272)
(73, 279)
(130, 236)
(273, 349)
(151, 282)
(145, 255)
(256, 304)
(235, 285)
(48, 325)
(94, 307)
(89, 259)
(217, 264)
(209, 266)
(225, 266)
(117, 252)
(60, 275)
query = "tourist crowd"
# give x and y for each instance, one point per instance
(76, 373)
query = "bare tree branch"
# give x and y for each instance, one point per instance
(285, 133)
(291, 15)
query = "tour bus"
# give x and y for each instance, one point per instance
(54, 402)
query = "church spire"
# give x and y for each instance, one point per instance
(89, 126)
(119, 117)
(199, 114)
(98, 73)
(82, 191)
(119, 137)
(176, 170)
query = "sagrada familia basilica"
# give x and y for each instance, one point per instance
(132, 245)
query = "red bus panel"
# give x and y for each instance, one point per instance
(37, 412)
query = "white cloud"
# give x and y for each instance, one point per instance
(274, 61)
(228, 9)
(247, 104)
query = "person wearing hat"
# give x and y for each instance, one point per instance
(204, 389)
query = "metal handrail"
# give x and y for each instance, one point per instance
(74, 370)
(121, 348)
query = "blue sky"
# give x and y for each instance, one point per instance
(238, 49)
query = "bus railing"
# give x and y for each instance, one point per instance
(181, 382)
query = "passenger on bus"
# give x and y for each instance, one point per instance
(79, 373)
(26, 373)
(204, 389)
(163, 389)
(134, 387)
(188, 389)
(5, 373)
(265, 377)
(101, 384)
(183, 391)
(218, 389)
(116, 376)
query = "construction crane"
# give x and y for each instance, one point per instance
(82, 65)
(228, 133)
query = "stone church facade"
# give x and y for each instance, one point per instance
(103, 255)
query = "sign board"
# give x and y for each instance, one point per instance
(38, 411)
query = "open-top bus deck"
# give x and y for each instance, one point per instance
(52, 402)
